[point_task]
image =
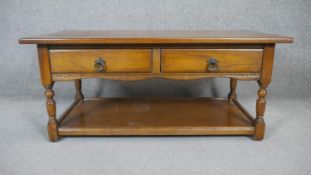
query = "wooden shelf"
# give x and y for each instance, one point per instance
(156, 116)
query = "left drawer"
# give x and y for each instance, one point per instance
(101, 61)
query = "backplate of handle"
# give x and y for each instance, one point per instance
(212, 64)
(100, 64)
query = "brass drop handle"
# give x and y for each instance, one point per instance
(212, 65)
(100, 64)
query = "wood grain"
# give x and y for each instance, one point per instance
(159, 36)
(44, 65)
(116, 60)
(196, 60)
(143, 76)
(156, 56)
(267, 65)
(156, 116)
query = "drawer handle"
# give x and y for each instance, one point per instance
(212, 65)
(100, 64)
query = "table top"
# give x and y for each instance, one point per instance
(156, 37)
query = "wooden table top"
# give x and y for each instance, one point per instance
(156, 37)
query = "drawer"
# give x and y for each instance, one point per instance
(211, 60)
(101, 60)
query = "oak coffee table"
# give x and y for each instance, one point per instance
(139, 55)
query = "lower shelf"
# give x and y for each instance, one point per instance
(155, 116)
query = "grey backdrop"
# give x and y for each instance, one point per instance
(22, 18)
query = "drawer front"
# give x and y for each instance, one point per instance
(211, 60)
(101, 61)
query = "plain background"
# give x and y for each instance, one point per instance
(25, 150)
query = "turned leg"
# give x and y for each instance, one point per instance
(260, 110)
(51, 109)
(232, 93)
(78, 86)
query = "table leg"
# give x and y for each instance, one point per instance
(232, 93)
(260, 110)
(78, 87)
(51, 109)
